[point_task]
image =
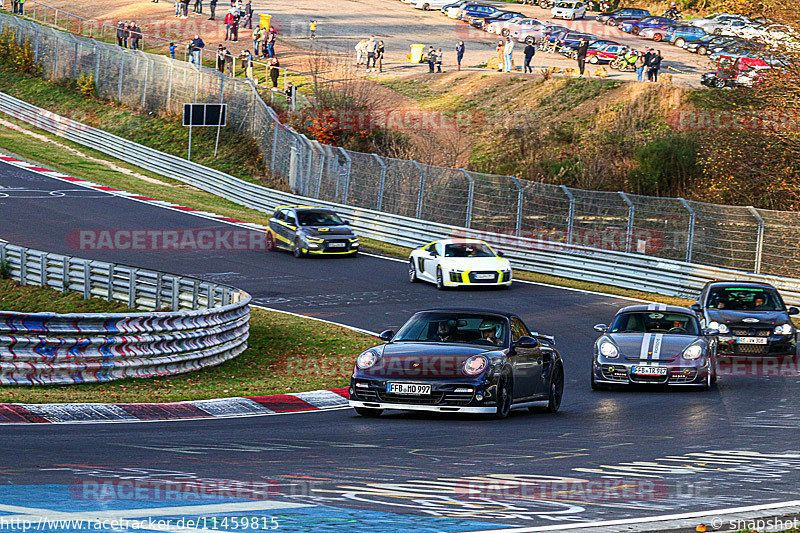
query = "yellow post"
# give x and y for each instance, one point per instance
(263, 21)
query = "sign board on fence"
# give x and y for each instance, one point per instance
(205, 114)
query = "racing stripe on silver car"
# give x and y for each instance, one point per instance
(657, 345)
(645, 345)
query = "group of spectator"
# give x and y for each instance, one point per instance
(128, 35)
(371, 52)
(434, 58)
(264, 41)
(650, 60)
(17, 6)
(241, 12)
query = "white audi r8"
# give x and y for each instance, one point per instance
(459, 262)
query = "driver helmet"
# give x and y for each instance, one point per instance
(489, 325)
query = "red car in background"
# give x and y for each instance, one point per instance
(603, 52)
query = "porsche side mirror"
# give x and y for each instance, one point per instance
(386, 336)
(696, 307)
(794, 311)
(501, 254)
(526, 342)
(601, 328)
(710, 331)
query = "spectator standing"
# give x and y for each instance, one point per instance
(177, 8)
(195, 47)
(172, 48)
(459, 53)
(361, 51)
(312, 29)
(379, 55)
(274, 71)
(655, 66)
(21, 7)
(184, 9)
(582, 49)
(499, 49)
(257, 39)
(431, 59)
(264, 36)
(271, 37)
(530, 51)
(639, 66)
(229, 19)
(221, 58)
(439, 59)
(372, 48)
(136, 36)
(508, 52)
(647, 57)
(235, 26)
(126, 35)
(198, 6)
(247, 60)
(212, 5)
(290, 92)
(248, 15)
(228, 63)
(120, 33)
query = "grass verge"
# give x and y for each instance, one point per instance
(285, 354)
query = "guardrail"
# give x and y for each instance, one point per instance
(633, 271)
(206, 324)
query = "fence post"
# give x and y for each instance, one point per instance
(87, 279)
(132, 288)
(629, 232)
(55, 54)
(96, 64)
(470, 198)
(169, 87)
(121, 72)
(421, 192)
(144, 80)
(23, 265)
(43, 260)
(159, 288)
(75, 62)
(571, 215)
(176, 302)
(382, 182)
(36, 43)
(348, 167)
(293, 166)
(760, 238)
(690, 236)
(65, 270)
(112, 267)
(274, 145)
(520, 200)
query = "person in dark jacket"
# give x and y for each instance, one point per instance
(248, 16)
(212, 5)
(290, 93)
(530, 51)
(221, 58)
(126, 35)
(582, 49)
(184, 8)
(121, 34)
(274, 71)
(379, 55)
(459, 53)
(647, 57)
(431, 59)
(136, 35)
(195, 47)
(654, 66)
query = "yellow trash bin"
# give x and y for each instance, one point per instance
(263, 20)
(417, 50)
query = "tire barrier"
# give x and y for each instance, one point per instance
(192, 323)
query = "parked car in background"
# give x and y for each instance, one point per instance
(451, 10)
(682, 33)
(709, 43)
(603, 52)
(635, 26)
(538, 34)
(656, 34)
(569, 9)
(613, 18)
(481, 21)
(720, 21)
(428, 5)
(474, 10)
(507, 27)
(568, 43)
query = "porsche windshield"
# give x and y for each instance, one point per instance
(460, 328)
(318, 218)
(744, 299)
(467, 249)
(655, 322)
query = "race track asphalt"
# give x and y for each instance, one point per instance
(672, 451)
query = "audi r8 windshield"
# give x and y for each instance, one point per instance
(461, 328)
(318, 218)
(468, 249)
(655, 322)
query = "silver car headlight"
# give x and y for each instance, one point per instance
(693, 352)
(367, 359)
(722, 328)
(783, 329)
(608, 349)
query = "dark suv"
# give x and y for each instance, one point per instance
(751, 318)
(612, 18)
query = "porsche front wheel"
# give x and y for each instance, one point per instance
(556, 389)
(504, 395)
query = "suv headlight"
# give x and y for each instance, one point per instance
(367, 359)
(313, 239)
(783, 329)
(722, 328)
(693, 352)
(607, 349)
(475, 365)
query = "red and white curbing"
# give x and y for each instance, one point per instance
(72, 413)
(125, 194)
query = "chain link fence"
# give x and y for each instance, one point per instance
(739, 238)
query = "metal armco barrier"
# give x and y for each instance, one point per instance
(621, 269)
(207, 323)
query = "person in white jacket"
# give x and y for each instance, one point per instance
(361, 50)
(507, 54)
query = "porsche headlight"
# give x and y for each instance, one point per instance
(783, 329)
(607, 349)
(367, 359)
(693, 352)
(475, 365)
(722, 328)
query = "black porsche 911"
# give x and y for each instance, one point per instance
(751, 318)
(305, 230)
(459, 361)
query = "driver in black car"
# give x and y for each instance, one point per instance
(445, 332)
(488, 329)
(760, 303)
